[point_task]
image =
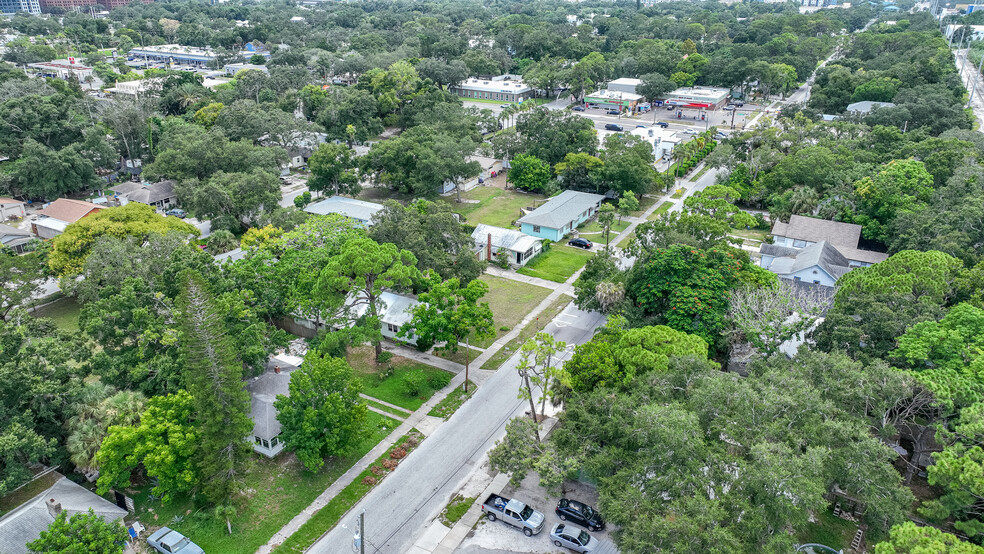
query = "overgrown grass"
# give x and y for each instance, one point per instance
(493, 206)
(532, 328)
(658, 212)
(557, 264)
(326, 518)
(625, 241)
(829, 530)
(277, 490)
(450, 404)
(510, 301)
(391, 388)
(595, 227)
(679, 193)
(456, 509)
(64, 311)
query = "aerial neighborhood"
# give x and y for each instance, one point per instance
(406, 277)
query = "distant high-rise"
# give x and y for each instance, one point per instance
(70, 4)
(14, 6)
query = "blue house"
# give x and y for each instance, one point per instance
(561, 214)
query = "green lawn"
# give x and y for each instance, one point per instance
(679, 193)
(625, 242)
(510, 301)
(64, 311)
(662, 209)
(829, 530)
(595, 227)
(450, 404)
(328, 517)
(459, 356)
(493, 206)
(456, 509)
(557, 264)
(531, 329)
(644, 204)
(391, 389)
(277, 490)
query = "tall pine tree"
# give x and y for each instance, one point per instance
(214, 377)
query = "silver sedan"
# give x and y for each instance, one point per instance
(572, 538)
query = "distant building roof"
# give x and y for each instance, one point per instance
(145, 193)
(815, 230)
(356, 209)
(263, 391)
(12, 236)
(230, 256)
(68, 210)
(25, 523)
(867, 105)
(626, 81)
(509, 239)
(394, 308)
(5, 200)
(512, 85)
(562, 209)
(609, 95)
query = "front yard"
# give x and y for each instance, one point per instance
(389, 381)
(510, 301)
(493, 206)
(557, 264)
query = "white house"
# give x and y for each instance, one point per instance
(159, 195)
(359, 210)
(394, 313)
(820, 263)
(803, 231)
(11, 209)
(263, 391)
(519, 246)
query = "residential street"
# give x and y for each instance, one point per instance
(398, 510)
(970, 78)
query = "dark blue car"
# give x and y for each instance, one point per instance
(580, 513)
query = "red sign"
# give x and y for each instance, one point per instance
(71, 60)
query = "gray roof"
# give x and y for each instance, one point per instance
(562, 209)
(509, 239)
(145, 194)
(356, 209)
(26, 522)
(263, 390)
(233, 255)
(822, 254)
(775, 250)
(12, 236)
(816, 230)
(867, 105)
(394, 308)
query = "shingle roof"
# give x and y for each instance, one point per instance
(562, 209)
(233, 255)
(768, 249)
(263, 390)
(145, 194)
(816, 230)
(12, 236)
(68, 210)
(26, 522)
(356, 209)
(509, 239)
(5, 200)
(826, 256)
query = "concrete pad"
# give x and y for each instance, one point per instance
(428, 424)
(432, 536)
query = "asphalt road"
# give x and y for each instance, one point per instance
(398, 509)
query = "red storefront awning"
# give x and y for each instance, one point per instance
(697, 105)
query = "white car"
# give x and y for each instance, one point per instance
(690, 132)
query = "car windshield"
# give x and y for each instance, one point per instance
(584, 538)
(181, 544)
(526, 513)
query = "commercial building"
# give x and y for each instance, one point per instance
(62, 69)
(174, 53)
(13, 6)
(135, 88)
(707, 98)
(69, 4)
(504, 88)
(619, 100)
(625, 84)
(233, 68)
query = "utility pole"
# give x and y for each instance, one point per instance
(973, 88)
(362, 532)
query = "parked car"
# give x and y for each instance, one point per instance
(737, 103)
(613, 112)
(614, 127)
(578, 108)
(176, 212)
(580, 243)
(720, 136)
(690, 132)
(168, 541)
(514, 513)
(670, 108)
(580, 513)
(503, 105)
(573, 539)
(640, 126)
(663, 124)
(728, 108)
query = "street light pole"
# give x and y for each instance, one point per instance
(973, 89)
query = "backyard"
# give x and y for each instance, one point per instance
(277, 490)
(64, 312)
(493, 206)
(388, 381)
(510, 301)
(557, 264)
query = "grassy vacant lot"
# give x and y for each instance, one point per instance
(559, 263)
(510, 301)
(459, 356)
(391, 389)
(662, 209)
(277, 490)
(493, 206)
(64, 311)
(531, 329)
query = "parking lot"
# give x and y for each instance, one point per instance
(500, 538)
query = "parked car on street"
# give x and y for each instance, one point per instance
(579, 513)
(663, 124)
(728, 108)
(690, 132)
(578, 108)
(613, 112)
(568, 537)
(580, 243)
(168, 541)
(614, 127)
(176, 212)
(514, 513)
(503, 105)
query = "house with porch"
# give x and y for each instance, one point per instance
(519, 247)
(802, 232)
(263, 391)
(393, 309)
(561, 214)
(159, 195)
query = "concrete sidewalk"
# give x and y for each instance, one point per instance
(513, 276)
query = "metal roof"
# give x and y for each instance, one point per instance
(350, 207)
(562, 209)
(509, 239)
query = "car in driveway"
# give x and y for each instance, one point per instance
(169, 541)
(579, 513)
(571, 538)
(176, 212)
(613, 127)
(578, 108)
(580, 243)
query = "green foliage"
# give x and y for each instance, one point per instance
(19, 274)
(413, 382)
(323, 415)
(231, 200)
(333, 170)
(909, 538)
(550, 135)
(529, 173)
(900, 187)
(84, 532)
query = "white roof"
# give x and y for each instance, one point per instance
(52, 223)
(510, 239)
(626, 81)
(613, 95)
(513, 86)
(356, 209)
(394, 307)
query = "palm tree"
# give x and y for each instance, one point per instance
(803, 200)
(188, 94)
(84, 442)
(123, 408)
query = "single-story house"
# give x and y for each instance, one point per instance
(12, 237)
(358, 210)
(393, 314)
(61, 213)
(865, 107)
(561, 214)
(820, 263)
(520, 247)
(11, 209)
(159, 195)
(26, 522)
(233, 255)
(803, 231)
(263, 391)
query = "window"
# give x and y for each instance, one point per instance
(266, 443)
(816, 282)
(536, 228)
(797, 279)
(392, 328)
(257, 440)
(799, 244)
(275, 441)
